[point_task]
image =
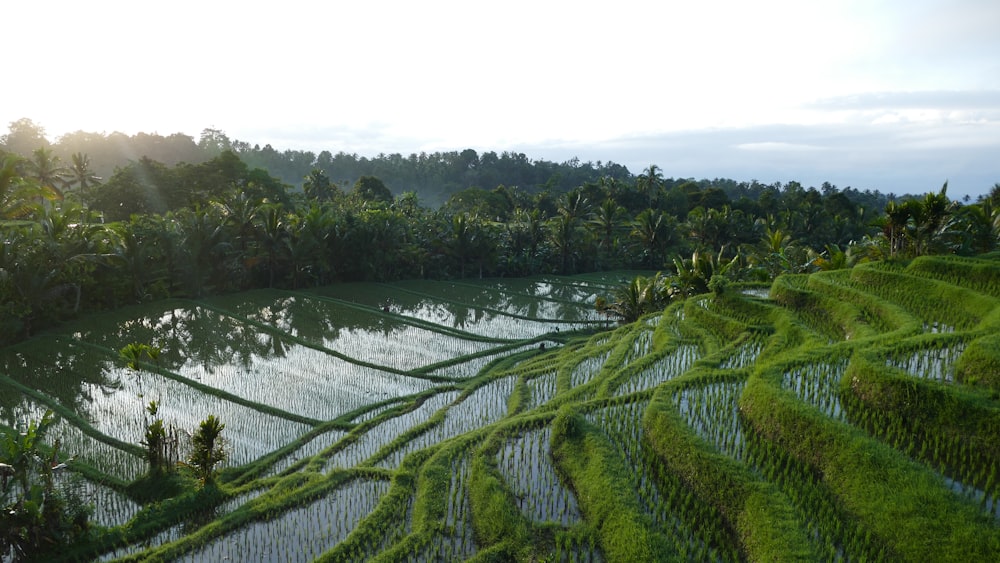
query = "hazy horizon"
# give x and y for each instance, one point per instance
(894, 96)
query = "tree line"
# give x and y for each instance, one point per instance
(435, 176)
(75, 242)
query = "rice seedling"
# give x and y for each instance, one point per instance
(937, 364)
(938, 328)
(307, 450)
(542, 389)
(274, 365)
(482, 407)
(818, 384)
(457, 540)
(665, 369)
(110, 506)
(375, 412)
(382, 434)
(587, 369)
(525, 462)
(988, 501)
(459, 368)
(745, 355)
(641, 344)
(712, 410)
(574, 547)
(171, 534)
(305, 381)
(300, 534)
(623, 425)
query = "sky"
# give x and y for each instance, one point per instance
(898, 96)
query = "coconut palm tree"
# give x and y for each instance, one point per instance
(652, 230)
(605, 222)
(897, 216)
(272, 229)
(80, 173)
(649, 183)
(44, 167)
(980, 226)
(15, 195)
(640, 296)
(931, 219)
(563, 231)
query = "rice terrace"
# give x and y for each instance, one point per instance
(844, 415)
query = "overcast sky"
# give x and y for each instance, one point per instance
(897, 96)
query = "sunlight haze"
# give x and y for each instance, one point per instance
(896, 96)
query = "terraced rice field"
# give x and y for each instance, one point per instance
(831, 417)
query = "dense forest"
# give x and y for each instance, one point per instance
(179, 218)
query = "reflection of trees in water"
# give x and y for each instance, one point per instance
(190, 335)
(63, 371)
(316, 320)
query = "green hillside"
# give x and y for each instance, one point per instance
(841, 415)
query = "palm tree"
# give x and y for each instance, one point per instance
(931, 219)
(693, 275)
(605, 222)
(650, 182)
(563, 234)
(80, 173)
(980, 225)
(240, 211)
(897, 216)
(640, 296)
(45, 168)
(465, 240)
(273, 232)
(317, 185)
(522, 235)
(833, 258)
(15, 195)
(652, 230)
(203, 241)
(309, 245)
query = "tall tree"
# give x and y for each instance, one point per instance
(606, 222)
(16, 194)
(652, 231)
(23, 137)
(649, 184)
(81, 174)
(317, 185)
(370, 188)
(45, 168)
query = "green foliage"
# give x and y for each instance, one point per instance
(900, 502)
(500, 528)
(601, 482)
(135, 352)
(980, 363)
(820, 424)
(371, 189)
(755, 516)
(161, 443)
(639, 297)
(207, 448)
(39, 519)
(718, 285)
